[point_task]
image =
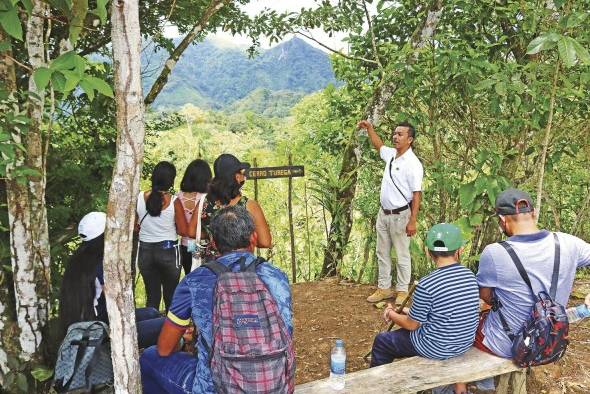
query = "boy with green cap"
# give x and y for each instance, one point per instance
(443, 318)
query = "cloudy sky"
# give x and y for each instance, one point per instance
(255, 6)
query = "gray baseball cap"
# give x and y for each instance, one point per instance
(513, 202)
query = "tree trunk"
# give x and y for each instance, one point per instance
(581, 213)
(341, 224)
(126, 40)
(27, 218)
(546, 142)
(9, 345)
(162, 79)
(35, 146)
(367, 249)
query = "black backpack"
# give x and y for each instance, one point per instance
(84, 358)
(543, 337)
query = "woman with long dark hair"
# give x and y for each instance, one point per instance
(159, 254)
(81, 296)
(193, 188)
(226, 189)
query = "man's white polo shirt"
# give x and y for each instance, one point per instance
(407, 173)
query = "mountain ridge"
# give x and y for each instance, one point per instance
(213, 77)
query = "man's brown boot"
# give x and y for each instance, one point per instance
(380, 295)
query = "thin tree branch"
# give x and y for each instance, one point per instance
(373, 40)
(169, 65)
(29, 69)
(171, 10)
(310, 37)
(96, 46)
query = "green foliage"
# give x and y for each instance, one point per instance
(570, 50)
(67, 72)
(16, 380)
(266, 102)
(79, 10)
(42, 374)
(9, 19)
(480, 103)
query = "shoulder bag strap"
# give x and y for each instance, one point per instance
(392, 181)
(199, 214)
(556, 262)
(136, 260)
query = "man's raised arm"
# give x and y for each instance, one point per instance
(375, 139)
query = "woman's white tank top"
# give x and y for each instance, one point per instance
(156, 228)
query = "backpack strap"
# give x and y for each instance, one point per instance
(497, 305)
(252, 266)
(524, 276)
(216, 267)
(556, 262)
(519, 266)
(93, 361)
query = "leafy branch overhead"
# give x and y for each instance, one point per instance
(67, 72)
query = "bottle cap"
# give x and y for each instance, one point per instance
(339, 343)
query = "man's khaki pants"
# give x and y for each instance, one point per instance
(391, 231)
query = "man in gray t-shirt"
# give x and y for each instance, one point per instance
(535, 248)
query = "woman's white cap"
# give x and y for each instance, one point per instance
(92, 225)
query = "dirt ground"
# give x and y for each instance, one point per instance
(330, 309)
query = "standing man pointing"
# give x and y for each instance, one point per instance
(401, 192)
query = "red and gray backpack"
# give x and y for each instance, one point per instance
(252, 351)
(543, 338)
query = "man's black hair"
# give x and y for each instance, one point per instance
(411, 129)
(231, 228)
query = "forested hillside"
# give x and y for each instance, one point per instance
(497, 91)
(214, 77)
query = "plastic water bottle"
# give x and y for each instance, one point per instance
(577, 313)
(338, 365)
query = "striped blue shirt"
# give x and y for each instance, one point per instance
(446, 303)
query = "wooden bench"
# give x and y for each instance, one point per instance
(414, 374)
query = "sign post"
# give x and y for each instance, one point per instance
(275, 172)
(291, 232)
(290, 172)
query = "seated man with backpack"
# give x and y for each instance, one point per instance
(527, 279)
(241, 306)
